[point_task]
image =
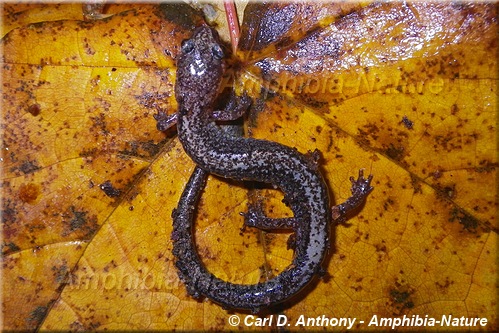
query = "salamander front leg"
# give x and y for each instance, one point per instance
(361, 187)
(235, 108)
(165, 121)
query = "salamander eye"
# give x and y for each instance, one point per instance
(187, 46)
(217, 51)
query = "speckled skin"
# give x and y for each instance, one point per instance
(199, 71)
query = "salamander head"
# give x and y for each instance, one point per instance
(199, 67)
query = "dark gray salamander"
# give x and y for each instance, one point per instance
(199, 72)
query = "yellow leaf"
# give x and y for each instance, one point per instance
(407, 91)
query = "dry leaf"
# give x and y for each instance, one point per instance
(407, 91)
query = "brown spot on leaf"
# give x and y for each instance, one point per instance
(9, 248)
(36, 316)
(27, 167)
(487, 166)
(416, 184)
(60, 272)
(109, 189)
(34, 109)
(449, 191)
(145, 149)
(468, 222)
(99, 124)
(445, 285)
(77, 222)
(29, 192)
(395, 153)
(401, 300)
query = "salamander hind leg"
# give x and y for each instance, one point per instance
(361, 187)
(255, 217)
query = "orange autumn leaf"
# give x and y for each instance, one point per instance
(406, 91)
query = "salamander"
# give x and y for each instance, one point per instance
(214, 150)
